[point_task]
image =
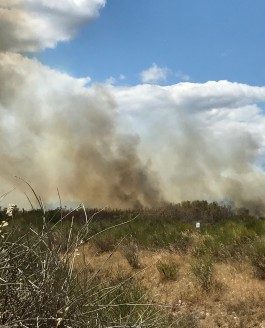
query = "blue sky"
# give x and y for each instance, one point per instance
(196, 40)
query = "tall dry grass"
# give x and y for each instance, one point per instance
(41, 286)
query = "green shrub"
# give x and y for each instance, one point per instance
(228, 240)
(181, 241)
(168, 270)
(203, 270)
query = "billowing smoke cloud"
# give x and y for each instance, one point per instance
(206, 140)
(32, 25)
(59, 133)
(119, 146)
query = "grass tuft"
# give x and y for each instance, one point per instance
(203, 270)
(131, 252)
(168, 270)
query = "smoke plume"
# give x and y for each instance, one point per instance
(205, 140)
(119, 146)
(57, 132)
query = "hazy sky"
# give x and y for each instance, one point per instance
(131, 102)
(190, 40)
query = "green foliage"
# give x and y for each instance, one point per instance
(224, 234)
(227, 240)
(203, 270)
(168, 270)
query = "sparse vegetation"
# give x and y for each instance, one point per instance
(50, 278)
(258, 257)
(41, 286)
(168, 270)
(105, 243)
(203, 270)
(131, 253)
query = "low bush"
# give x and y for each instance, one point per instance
(203, 270)
(131, 252)
(168, 270)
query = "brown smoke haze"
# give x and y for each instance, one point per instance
(119, 146)
(58, 133)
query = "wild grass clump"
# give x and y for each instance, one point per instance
(168, 270)
(203, 270)
(131, 252)
(37, 287)
(41, 285)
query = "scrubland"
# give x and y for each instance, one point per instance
(135, 268)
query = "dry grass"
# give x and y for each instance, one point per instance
(80, 254)
(236, 300)
(45, 286)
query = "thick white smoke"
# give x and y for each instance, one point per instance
(119, 146)
(56, 132)
(207, 141)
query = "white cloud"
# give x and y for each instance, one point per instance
(154, 74)
(32, 25)
(110, 80)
